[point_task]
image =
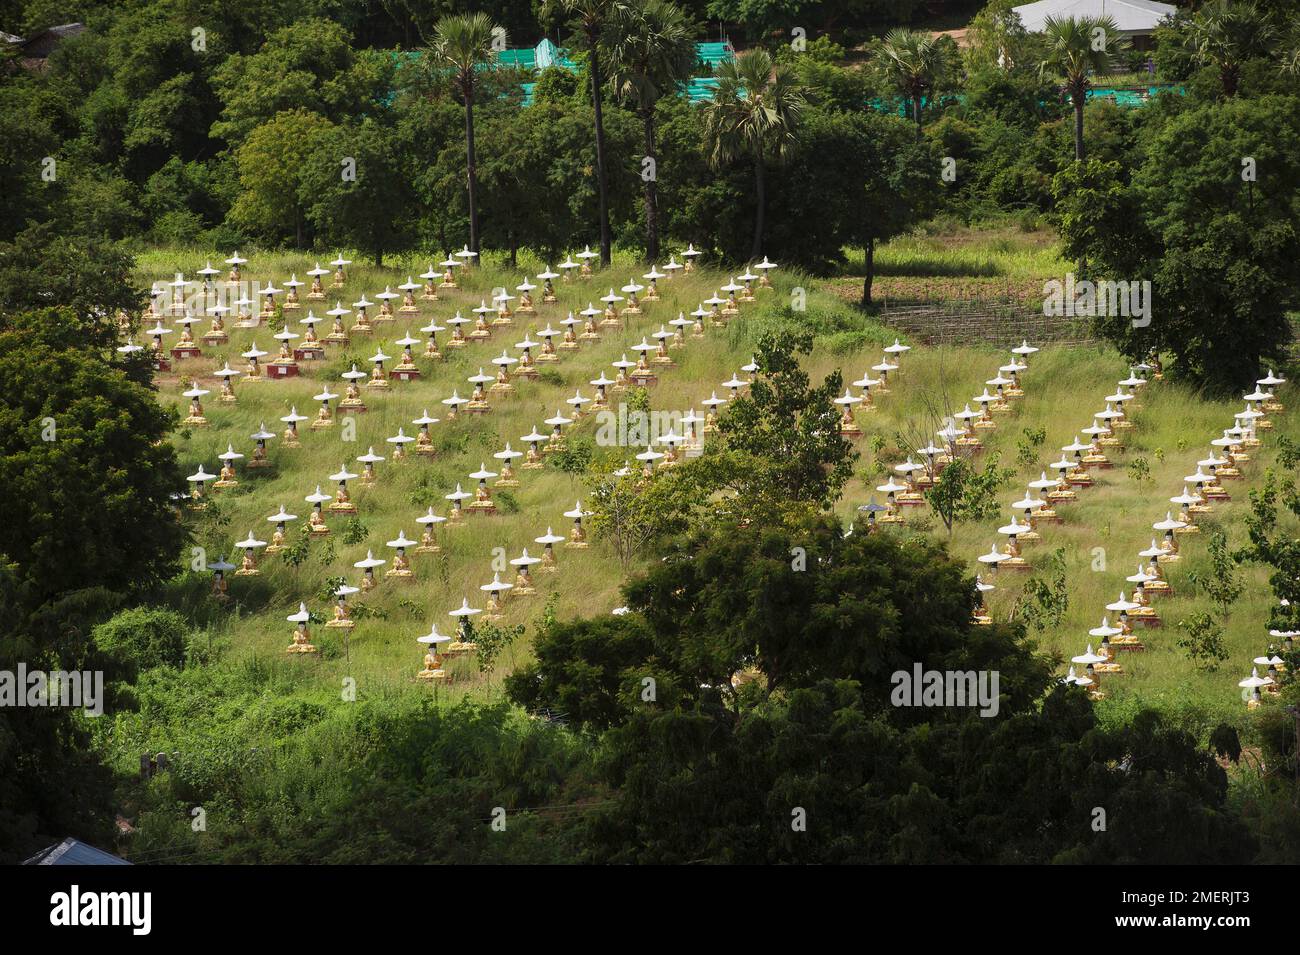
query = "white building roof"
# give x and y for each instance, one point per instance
(1131, 16)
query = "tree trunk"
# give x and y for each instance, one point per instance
(297, 226)
(602, 192)
(471, 166)
(916, 114)
(869, 267)
(1229, 76)
(1078, 97)
(514, 249)
(759, 202)
(651, 190)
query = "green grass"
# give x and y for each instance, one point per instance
(975, 253)
(1064, 386)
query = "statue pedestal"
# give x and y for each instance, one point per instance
(406, 374)
(282, 369)
(309, 353)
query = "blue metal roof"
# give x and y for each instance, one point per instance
(74, 852)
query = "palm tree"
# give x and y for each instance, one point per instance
(912, 63)
(1224, 34)
(1077, 47)
(651, 50)
(755, 112)
(590, 19)
(461, 43)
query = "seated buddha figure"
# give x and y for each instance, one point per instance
(301, 640)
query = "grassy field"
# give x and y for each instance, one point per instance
(1063, 388)
(953, 261)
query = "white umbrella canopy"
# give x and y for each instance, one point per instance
(316, 497)
(1123, 605)
(1255, 680)
(433, 636)
(464, 610)
(429, 518)
(1088, 657)
(1105, 630)
(369, 562)
(1071, 678)
(993, 557)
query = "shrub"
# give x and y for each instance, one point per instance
(142, 638)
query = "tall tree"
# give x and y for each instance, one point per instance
(1219, 252)
(651, 50)
(913, 63)
(1224, 34)
(590, 19)
(754, 113)
(461, 43)
(1076, 48)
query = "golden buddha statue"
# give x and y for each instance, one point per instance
(524, 583)
(301, 640)
(196, 417)
(352, 397)
(432, 667)
(401, 566)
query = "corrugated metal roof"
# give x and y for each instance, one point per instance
(74, 852)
